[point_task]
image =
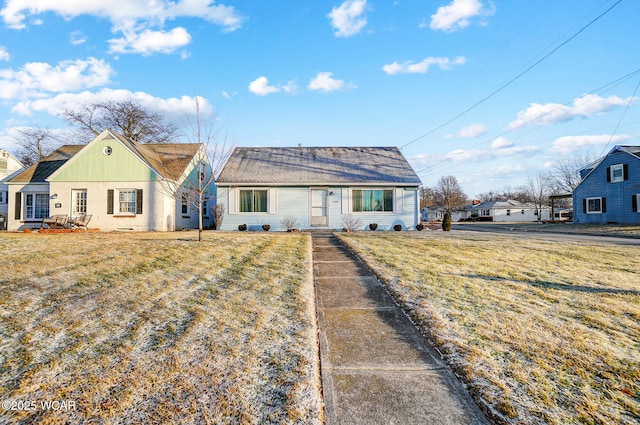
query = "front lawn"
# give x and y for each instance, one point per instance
(542, 331)
(158, 328)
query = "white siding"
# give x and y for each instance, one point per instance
(295, 201)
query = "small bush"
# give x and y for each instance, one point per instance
(266, 227)
(397, 227)
(242, 227)
(351, 223)
(420, 227)
(373, 226)
(446, 222)
(289, 222)
(218, 213)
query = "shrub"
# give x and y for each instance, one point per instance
(397, 227)
(289, 222)
(266, 227)
(351, 223)
(373, 226)
(218, 213)
(420, 227)
(242, 227)
(446, 222)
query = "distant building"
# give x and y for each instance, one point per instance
(9, 167)
(505, 211)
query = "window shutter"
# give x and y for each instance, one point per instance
(634, 203)
(608, 174)
(604, 205)
(273, 201)
(110, 201)
(138, 201)
(346, 200)
(18, 205)
(399, 201)
(625, 171)
(233, 201)
(584, 205)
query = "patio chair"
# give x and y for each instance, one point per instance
(58, 221)
(81, 221)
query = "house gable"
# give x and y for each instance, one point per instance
(106, 158)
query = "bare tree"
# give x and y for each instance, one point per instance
(566, 172)
(195, 186)
(427, 197)
(519, 193)
(35, 143)
(539, 187)
(127, 117)
(449, 194)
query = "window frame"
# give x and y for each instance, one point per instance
(588, 206)
(132, 202)
(383, 204)
(616, 168)
(35, 206)
(253, 201)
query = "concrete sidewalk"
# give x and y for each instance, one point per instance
(376, 366)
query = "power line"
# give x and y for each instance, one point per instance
(602, 89)
(518, 76)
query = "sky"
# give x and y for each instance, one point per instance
(491, 92)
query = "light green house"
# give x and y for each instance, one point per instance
(122, 184)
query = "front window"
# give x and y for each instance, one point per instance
(617, 173)
(253, 201)
(594, 205)
(508, 212)
(374, 200)
(486, 213)
(36, 205)
(127, 201)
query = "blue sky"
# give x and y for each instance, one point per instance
(488, 91)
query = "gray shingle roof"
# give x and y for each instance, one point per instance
(318, 165)
(38, 172)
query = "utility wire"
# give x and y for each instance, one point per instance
(518, 76)
(601, 89)
(615, 130)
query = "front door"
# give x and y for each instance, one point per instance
(319, 208)
(78, 202)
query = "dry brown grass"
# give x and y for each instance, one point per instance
(157, 328)
(543, 332)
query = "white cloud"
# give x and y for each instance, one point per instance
(347, 19)
(568, 144)
(260, 86)
(4, 55)
(470, 131)
(16, 11)
(457, 15)
(140, 21)
(501, 143)
(147, 42)
(409, 67)
(37, 79)
(325, 82)
(173, 108)
(551, 113)
(77, 38)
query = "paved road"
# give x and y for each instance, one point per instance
(505, 230)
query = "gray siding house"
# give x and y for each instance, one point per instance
(318, 187)
(610, 189)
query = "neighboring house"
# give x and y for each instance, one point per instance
(319, 187)
(122, 184)
(435, 213)
(508, 210)
(9, 167)
(610, 189)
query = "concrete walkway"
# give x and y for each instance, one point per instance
(376, 367)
